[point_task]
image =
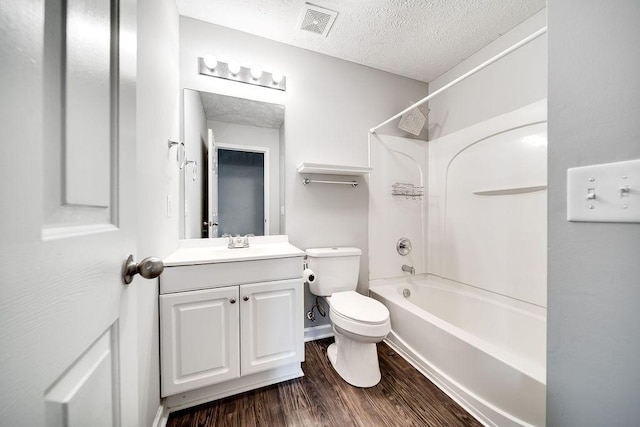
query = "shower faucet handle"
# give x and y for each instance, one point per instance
(404, 246)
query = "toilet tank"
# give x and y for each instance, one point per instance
(336, 269)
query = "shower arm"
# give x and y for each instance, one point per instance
(464, 76)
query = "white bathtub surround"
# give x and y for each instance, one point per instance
(495, 242)
(484, 350)
(391, 217)
(476, 325)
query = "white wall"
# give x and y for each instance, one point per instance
(195, 140)
(594, 274)
(234, 134)
(329, 106)
(514, 81)
(157, 112)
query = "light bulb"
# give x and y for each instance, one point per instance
(277, 76)
(256, 72)
(234, 67)
(210, 61)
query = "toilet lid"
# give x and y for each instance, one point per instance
(357, 307)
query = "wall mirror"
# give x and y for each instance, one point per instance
(232, 179)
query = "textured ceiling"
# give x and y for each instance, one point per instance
(420, 39)
(242, 111)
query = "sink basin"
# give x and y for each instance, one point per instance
(209, 251)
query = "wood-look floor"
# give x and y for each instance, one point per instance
(321, 398)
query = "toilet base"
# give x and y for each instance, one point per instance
(356, 362)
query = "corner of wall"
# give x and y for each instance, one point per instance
(158, 112)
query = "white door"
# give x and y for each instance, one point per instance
(67, 114)
(199, 338)
(271, 325)
(212, 184)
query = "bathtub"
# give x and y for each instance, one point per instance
(447, 331)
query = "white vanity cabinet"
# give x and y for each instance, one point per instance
(271, 327)
(230, 326)
(200, 338)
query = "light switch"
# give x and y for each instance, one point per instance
(608, 192)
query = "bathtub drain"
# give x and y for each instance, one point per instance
(406, 293)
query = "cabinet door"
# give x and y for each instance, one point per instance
(272, 332)
(199, 338)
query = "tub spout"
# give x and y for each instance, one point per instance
(409, 269)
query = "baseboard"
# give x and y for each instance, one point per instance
(162, 416)
(318, 332)
(213, 392)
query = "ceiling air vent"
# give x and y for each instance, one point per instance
(317, 19)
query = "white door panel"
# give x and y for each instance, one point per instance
(68, 322)
(89, 380)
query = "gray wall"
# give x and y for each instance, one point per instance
(330, 104)
(157, 111)
(594, 269)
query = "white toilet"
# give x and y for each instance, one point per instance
(359, 322)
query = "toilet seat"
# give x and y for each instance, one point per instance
(359, 315)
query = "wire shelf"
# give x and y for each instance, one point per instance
(410, 191)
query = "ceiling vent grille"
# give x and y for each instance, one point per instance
(316, 19)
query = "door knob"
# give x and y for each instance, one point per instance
(149, 268)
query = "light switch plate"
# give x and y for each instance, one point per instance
(608, 192)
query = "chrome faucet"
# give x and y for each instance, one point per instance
(409, 269)
(238, 241)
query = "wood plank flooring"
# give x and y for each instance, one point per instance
(321, 398)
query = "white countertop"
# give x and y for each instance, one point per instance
(210, 251)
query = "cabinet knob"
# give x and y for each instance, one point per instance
(245, 298)
(232, 300)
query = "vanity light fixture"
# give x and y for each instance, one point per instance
(256, 72)
(209, 65)
(277, 76)
(210, 61)
(234, 67)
